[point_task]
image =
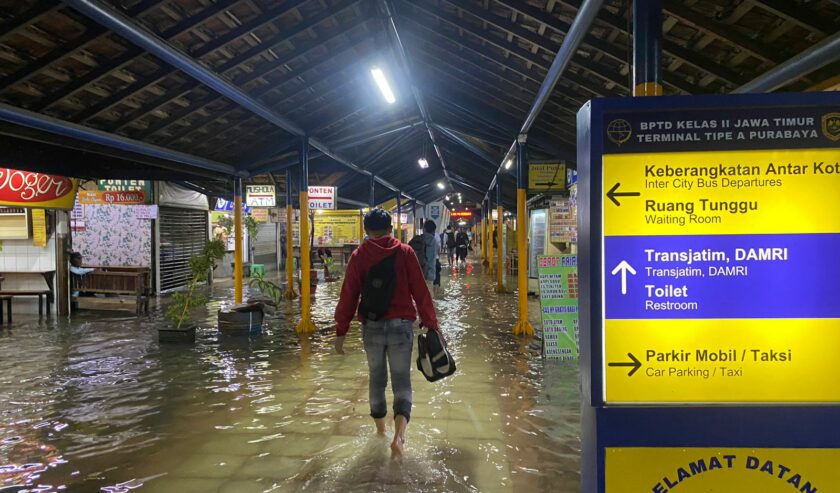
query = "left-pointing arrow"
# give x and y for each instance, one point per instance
(635, 364)
(613, 193)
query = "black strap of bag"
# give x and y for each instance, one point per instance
(378, 289)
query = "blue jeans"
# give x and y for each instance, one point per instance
(391, 341)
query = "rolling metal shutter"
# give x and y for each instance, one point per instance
(183, 233)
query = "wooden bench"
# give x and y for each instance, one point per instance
(135, 282)
(44, 297)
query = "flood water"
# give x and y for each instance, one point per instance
(99, 405)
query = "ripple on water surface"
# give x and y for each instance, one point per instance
(99, 405)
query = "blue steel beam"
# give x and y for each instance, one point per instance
(37, 121)
(580, 27)
(127, 28)
(424, 111)
(466, 144)
(817, 57)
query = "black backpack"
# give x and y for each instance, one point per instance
(378, 289)
(418, 244)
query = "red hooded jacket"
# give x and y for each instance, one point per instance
(410, 283)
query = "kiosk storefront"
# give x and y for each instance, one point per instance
(710, 321)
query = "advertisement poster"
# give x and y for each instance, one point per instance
(30, 189)
(39, 228)
(562, 222)
(558, 278)
(337, 228)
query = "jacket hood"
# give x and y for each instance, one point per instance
(429, 239)
(378, 249)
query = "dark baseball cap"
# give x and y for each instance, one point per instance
(377, 219)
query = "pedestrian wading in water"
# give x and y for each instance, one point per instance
(383, 277)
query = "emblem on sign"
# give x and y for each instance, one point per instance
(619, 131)
(831, 126)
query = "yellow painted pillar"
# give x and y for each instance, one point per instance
(237, 249)
(491, 260)
(306, 325)
(290, 252)
(483, 226)
(500, 252)
(523, 325)
(361, 227)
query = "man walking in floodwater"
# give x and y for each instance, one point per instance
(387, 276)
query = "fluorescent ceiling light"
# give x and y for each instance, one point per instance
(447, 197)
(382, 82)
(423, 163)
(508, 163)
(441, 185)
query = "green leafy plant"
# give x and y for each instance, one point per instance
(252, 226)
(185, 304)
(266, 287)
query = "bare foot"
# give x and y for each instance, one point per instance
(397, 448)
(380, 426)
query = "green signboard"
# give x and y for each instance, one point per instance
(558, 277)
(144, 186)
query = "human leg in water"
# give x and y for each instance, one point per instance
(400, 338)
(398, 444)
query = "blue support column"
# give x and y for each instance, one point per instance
(647, 48)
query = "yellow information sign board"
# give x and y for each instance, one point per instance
(704, 470)
(722, 192)
(720, 276)
(337, 228)
(701, 361)
(546, 177)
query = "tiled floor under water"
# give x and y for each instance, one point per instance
(99, 405)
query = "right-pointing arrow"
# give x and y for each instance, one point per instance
(613, 193)
(624, 268)
(635, 364)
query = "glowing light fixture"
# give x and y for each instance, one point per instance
(382, 82)
(447, 198)
(423, 163)
(441, 185)
(508, 163)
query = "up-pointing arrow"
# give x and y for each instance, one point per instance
(624, 268)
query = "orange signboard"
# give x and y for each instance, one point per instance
(37, 190)
(91, 197)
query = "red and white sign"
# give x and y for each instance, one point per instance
(322, 198)
(461, 214)
(30, 189)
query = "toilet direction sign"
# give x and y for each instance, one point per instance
(720, 275)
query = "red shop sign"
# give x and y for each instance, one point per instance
(31, 189)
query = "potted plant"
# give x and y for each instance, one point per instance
(271, 293)
(248, 317)
(185, 303)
